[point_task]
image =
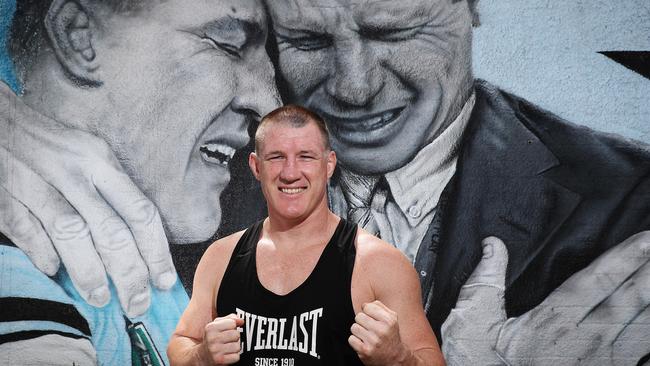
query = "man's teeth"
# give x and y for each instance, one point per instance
(292, 190)
(217, 153)
(373, 123)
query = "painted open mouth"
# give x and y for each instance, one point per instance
(366, 123)
(217, 153)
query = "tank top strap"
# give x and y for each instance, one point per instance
(345, 238)
(246, 244)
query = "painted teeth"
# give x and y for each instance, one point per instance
(374, 122)
(292, 190)
(217, 153)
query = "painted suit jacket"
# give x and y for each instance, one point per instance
(557, 194)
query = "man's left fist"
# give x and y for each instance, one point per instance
(375, 335)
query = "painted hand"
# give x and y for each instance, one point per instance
(598, 316)
(221, 340)
(64, 197)
(375, 335)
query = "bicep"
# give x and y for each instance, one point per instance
(399, 290)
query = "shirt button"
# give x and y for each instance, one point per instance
(414, 212)
(423, 273)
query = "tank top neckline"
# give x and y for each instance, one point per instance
(328, 247)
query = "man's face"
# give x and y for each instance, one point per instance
(388, 76)
(293, 167)
(181, 83)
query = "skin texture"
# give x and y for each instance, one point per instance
(293, 167)
(354, 61)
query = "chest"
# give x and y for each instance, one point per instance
(282, 271)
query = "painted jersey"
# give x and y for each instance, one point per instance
(34, 304)
(308, 326)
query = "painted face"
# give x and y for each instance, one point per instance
(293, 167)
(388, 76)
(182, 81)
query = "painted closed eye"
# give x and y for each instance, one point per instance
(391, 34)
(306, 43)
(230, 49)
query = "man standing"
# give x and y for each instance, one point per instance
(168, 87)
(302, 268)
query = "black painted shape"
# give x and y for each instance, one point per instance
(637, 61)
(19, 309)
(30, 334)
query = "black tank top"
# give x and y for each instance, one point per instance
(308, 326)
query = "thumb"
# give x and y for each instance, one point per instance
(238, 321)
(486, 285)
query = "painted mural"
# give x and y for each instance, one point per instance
(501, 147)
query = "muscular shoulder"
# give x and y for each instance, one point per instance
(373, 252)
(214, 261)
(382, 266)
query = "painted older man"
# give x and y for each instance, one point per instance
(171, 88)
(452, 169)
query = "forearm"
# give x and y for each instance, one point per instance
(423, 357)
(184, 351)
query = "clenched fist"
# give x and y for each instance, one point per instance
(221, 339)
(375, 335)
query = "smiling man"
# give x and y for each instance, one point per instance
(168, 85)
(286, 290)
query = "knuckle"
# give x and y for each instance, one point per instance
(144, 212)
(21, 225)
(114, 235)
(69, 228)
(85, 278)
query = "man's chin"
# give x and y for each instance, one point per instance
(369, 162)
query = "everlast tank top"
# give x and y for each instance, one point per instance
(308, 326)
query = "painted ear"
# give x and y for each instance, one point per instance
(69, 29)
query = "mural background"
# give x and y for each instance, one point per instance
(547, 52)
(550, 53)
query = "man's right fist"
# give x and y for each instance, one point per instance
(221, 339)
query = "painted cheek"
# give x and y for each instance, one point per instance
(304, 70)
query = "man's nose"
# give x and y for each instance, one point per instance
(290, 171)
(256, 90)
(356, 77)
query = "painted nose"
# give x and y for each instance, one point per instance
(357, 75)
(257, 93)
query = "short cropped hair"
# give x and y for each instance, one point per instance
(294, 116)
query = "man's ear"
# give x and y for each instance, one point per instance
(70, 31)
(331, 164)
(252, 163)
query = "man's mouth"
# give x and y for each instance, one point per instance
(292, 190)
(365, 123)
(217, 153)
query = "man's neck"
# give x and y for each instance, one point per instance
(311, 230)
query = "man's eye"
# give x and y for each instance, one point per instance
(228, 48)
(306, 43)
(391, 34)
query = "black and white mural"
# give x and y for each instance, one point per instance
(502, 146)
